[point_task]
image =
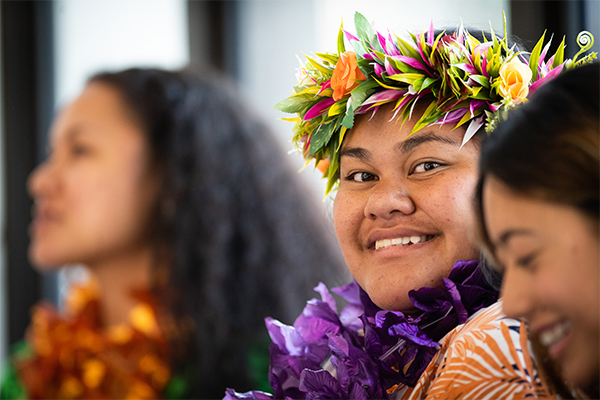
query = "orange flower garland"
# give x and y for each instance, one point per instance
(72, 357)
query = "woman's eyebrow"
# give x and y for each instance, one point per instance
(412, 142)
(356, 152)
(509, 234)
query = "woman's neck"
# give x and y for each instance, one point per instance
(118, 276)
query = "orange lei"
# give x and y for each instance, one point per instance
(71, 356)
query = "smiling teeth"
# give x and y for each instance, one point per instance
(553, 335)
(403, 241)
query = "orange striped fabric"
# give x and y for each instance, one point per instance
(488, 357)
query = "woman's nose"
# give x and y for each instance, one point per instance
(42, 180)
(387, 200)
(516, 293)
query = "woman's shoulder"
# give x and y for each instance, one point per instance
(487, 357)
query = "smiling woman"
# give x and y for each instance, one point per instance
(395, 188)
(401, 144)
(539, 200)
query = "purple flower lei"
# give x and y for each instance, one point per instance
(364, 352)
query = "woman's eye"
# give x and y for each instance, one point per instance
(426, 166)
(526, 262)
(361, 177)
(79, 150)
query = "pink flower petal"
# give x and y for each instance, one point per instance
(552, 74)
(430, 37)
(318, 109)
(411, 62)
(390, 69)
(350, 36)
(385, 95)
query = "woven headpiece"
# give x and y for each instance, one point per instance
(460, 79)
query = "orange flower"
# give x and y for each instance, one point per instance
(346, 75)
(515, 77)
(323, 165)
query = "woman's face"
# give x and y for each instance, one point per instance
(95, 194)
(415, 190)
(550, 257)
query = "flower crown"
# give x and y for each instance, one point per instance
(463, 79)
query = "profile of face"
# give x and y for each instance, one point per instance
(404, 210)
(95, 194)
(550, 257)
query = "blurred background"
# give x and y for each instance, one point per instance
(49, 48)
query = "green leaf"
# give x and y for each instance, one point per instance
(321, 137)
(482, 80)
(407, 50)
(295, 104)
(364, 30)
(325, 70)
(428, 82)
(348, 120)
(535, 57)
(559, 56)
(337, 107)
(331, 58)
(406, 78)
(341, 48)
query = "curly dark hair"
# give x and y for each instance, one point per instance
(243, 240)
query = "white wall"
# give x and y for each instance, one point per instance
(95, 35)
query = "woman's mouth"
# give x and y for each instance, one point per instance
(553, 338)
(402, 241)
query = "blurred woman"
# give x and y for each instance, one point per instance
(539, 200)
(193, 226)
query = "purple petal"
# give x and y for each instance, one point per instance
(349, 292)
(475, 105)
(285, 337)
(453, 116)
(326, 297)
(378, 69)
(320, 381)
(412, 333)
(231, 394)
(319, 108)
(462, 314)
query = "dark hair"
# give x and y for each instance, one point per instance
(549, 149)
(243, 239)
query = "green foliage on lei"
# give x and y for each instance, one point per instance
(460, 80)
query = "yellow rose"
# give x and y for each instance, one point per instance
(515, 77)
(346, 75)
